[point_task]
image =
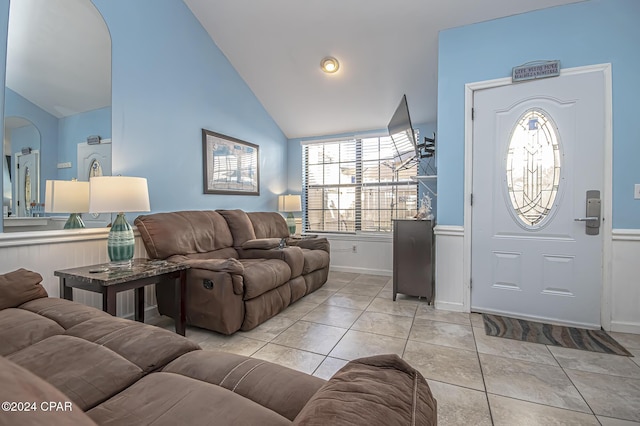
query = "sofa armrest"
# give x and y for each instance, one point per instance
(231, 265)
(261, 244)
(367, 390)
(310, 243)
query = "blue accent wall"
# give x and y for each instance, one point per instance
(169, 81)
(586, 33)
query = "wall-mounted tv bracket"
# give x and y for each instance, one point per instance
(427, 149)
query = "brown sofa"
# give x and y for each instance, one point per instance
(239, 276)
(62, 363)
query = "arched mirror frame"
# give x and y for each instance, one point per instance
(88, 17)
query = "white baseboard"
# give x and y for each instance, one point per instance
(625, 327)
(449, 306)
(356, 270)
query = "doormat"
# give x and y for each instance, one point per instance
(550, 334)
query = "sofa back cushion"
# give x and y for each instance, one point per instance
(184, 232)
(239, 225)
(20, 286)
(268, 225)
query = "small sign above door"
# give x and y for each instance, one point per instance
(535, 70)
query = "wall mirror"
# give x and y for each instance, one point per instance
(58, 88)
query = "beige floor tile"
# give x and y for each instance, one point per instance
(311, 337)
(342, 276)
(298, 310)
(596, 362)
(329, 367)
(429, 312)
(296, 359)
(460, 406)
(533, 382)
(608, 421)
(235, 343)
(196, 334)
(405, 308)
(269, 329)
(361, 289)
(385, 324)
(609, 396)
(357, 344)
(443, 333)
(317, 297)
(636, 355)
(351, 301)
(510, 348)
(628, 340)
(333, 315)
(513, 412)
(476, 320)
(449, 365)
(333, 285)
(372, 279)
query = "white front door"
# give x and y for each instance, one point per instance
(94, 160)
(27, 170)
(538, 147)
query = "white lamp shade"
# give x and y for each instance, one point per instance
(119, 194)
(289, 203)
(66, 196)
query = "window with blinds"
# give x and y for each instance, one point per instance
(357, 185)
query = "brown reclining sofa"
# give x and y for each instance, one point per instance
(65, 364)
(238, 276)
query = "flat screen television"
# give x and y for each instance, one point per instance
(402, 134)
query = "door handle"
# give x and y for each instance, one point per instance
(593, 215)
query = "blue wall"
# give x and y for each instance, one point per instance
(593, 32)
(73, 130)
(169, 80)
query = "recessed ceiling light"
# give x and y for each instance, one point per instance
(329, 65)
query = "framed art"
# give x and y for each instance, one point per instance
(230, 165)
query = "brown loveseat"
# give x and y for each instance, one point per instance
(239, 276)
(63, 363)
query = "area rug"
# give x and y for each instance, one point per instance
(549, 334)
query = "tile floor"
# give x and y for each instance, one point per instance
(476, 379)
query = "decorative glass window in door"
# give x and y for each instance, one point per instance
(533, 168)
(95, 169)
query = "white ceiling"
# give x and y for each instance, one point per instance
(386, 48)
(59, 55)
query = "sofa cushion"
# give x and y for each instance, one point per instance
(239, 225)
(372, 391)
(278, 388)
(168, 399)
(87, 373)
(268, 225)
(64, 312)
(185, 232)
(20, 385)
(262, 275)
(261, 243)
(20, 286)
(146, 346)
(314, 260)
(20, 328)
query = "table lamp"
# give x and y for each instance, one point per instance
(67, 196)
(119, 194)
(289, 204)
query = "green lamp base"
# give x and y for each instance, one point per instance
(120, 242)
(74, 222)
(291, 223)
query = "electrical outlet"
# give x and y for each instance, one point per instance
(354, 249)
(636, 191)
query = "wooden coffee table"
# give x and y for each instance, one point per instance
(111, 280)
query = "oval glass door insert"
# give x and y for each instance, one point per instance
(533, 168)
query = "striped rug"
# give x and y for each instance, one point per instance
(549, 334)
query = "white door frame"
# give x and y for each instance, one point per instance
(469, 88)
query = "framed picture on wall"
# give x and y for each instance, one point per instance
(230, 165)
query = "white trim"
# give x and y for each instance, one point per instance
(376, 237)
(32, 238)
(450, 306)
(469, 89)
(358, 270)
(625, 235)
(451, 230)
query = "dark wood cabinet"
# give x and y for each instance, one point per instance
(413, 258)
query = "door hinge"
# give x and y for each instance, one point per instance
(471, 199)
(473, 113)
(470, 282)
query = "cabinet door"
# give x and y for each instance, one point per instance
(412, 258)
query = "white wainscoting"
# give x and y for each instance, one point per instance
(452, 293)
(46, 252)
(373, 253)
